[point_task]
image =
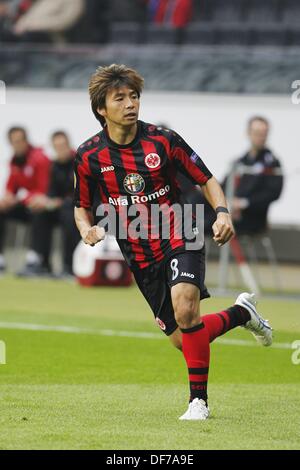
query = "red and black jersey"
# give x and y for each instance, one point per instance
(143, 172)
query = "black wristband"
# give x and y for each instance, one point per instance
(222, 209)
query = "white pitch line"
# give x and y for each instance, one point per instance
(80, 331)
(127, 334)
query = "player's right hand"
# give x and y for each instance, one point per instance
(93, 235)
(223, 229)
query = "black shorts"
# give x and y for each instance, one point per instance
(155, 283)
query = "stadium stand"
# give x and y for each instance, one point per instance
(271, 22)
(233, 68)
(213, 22)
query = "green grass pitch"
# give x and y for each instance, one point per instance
(92, 386)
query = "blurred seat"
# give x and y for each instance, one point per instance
(125, 33)
(237, 34)
(293, 36)
(290, 12)
(258, 11)
(123, 10)
(216, 33)
(94, 26)
(229, 11)
(200, 33)
(272, 34)
(199, 10)
(231, 34)
(160, 34)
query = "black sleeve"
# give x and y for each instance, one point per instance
(187, 161)
(84, 183)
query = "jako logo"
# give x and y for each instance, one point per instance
(107, 168)
(183, 274)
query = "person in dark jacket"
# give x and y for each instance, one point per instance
(258, 181)
(56, 208)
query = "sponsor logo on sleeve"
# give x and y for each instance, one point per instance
(194, 157)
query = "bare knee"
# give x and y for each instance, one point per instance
(185, 299)
(176, 339)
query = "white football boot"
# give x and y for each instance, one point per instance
(197, 410)
(259, 327)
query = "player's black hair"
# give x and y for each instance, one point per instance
(108, 78)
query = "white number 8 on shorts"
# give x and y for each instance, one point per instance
(174, 267)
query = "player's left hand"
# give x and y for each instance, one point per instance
(223, 229)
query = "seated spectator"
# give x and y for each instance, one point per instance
(10, 12)
(176, 12)
(56, 208)
(49, 19)
(258, 181)
(26, 185)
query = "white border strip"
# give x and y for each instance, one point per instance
(2, 92)
(127, 334)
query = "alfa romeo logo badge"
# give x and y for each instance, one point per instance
(134, 183)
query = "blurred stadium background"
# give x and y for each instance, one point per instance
(209, 66)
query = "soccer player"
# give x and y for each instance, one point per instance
(131, 162)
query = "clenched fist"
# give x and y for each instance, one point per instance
(93, 235)
(223, 229)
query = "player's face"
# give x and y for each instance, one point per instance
(19, 143)
(122, 107)
(258, 134)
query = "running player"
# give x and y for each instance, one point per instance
(133, 163)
